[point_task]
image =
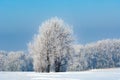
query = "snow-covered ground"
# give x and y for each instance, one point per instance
(101, 74)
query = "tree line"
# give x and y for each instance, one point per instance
(15, 61)
(101, 54)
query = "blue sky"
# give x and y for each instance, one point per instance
(92, 20)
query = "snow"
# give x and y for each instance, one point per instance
(100, 74)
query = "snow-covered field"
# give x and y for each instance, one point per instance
(101, 74)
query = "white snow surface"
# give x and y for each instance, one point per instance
(100, 74)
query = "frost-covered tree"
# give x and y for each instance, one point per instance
(13, 61)
(2, 60)
(51, 48)
(79, 59)
(28, 63)
(102, 54)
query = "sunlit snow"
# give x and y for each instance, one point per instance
(101, 74)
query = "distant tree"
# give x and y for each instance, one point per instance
(2, 60)
(52, 46)
(79, 62)
(102, 54)
(13, 62)
(28, 63)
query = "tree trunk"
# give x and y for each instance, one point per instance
(57, 65)
(48, 65)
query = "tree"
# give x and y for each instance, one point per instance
(2, 60)
(51, 48)
(102, 54)
(14, 61)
